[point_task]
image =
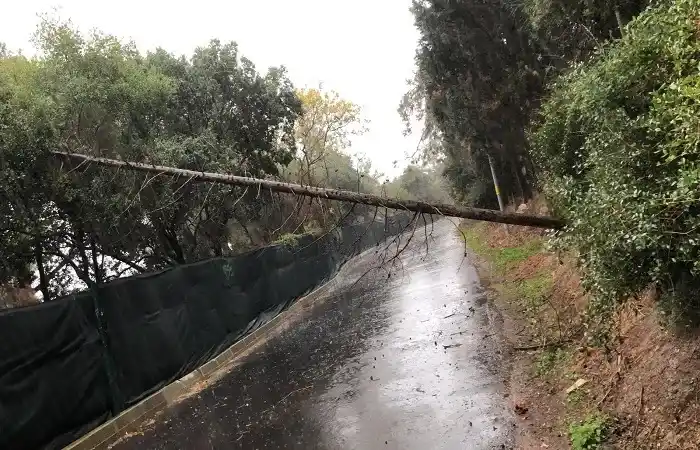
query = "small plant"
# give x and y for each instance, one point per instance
(576, 397)
(550, 359)
(533, 291)
(289, 239)
(589, 434)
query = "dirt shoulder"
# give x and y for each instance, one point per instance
(635, 389)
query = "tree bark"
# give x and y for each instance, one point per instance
(95, 265)
(43, 282)
(620, 24)
(330, 194)
(245, 230)
(517, 176)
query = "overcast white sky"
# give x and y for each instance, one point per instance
(361, 48)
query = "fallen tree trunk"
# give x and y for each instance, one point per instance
(325, 193)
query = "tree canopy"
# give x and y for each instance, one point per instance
(98, 96)
(483, 67)
(476, 75)
(64, 227)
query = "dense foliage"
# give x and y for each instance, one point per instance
(618, 145)
(62, 226)
(570, 30)
(612, 93)
(482, 69)
(476, 75)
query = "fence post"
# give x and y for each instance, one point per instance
(496, 186)
(115, 396)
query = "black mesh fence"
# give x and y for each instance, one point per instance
(68, 365)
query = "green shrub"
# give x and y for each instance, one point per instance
(550, 359)
(589, 434)
(575, 398)
(534, 290)
(289, 239)
(619, 149)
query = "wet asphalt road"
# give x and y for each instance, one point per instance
(391, 362)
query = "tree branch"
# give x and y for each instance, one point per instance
(43, 280)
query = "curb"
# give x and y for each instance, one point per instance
(107, 433)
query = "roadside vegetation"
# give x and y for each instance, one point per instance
(590, 433)
(617, 147)
(593, 109)
(567, 375)
(594, 105)
(503, 258)
(550, 359)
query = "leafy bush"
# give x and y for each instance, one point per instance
(550, 359)
(619, 149)
(288, 239)
(589, 434)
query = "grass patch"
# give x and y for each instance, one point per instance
(534, 290)
(529, 294)
(475, 237)
(509, 257)
(502, 259)
(550, 360)
(590, 433)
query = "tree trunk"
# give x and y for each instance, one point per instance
(330, 194)
(620, 24)
(513, 162)
(43, 282)
(95, 265)
(82, 253)
(246, 231)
